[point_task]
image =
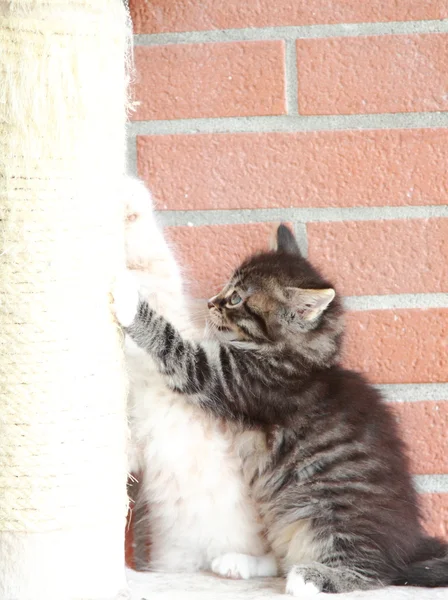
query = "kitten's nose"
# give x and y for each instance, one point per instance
(212, 302)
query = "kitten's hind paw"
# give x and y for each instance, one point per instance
(125, 298)
(299, 588)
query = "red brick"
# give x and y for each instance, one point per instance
(209, 253)
(327, 168)
(400, 346)
(129, 541)
(435, 513)
(423, 428)
(383, 74)
(190, 15)
(382, 257)
(210, 80)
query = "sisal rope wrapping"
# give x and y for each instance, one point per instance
(62, 382)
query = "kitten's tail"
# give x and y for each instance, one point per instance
(430, 569)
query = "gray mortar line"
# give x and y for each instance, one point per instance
(414, 392)
(299, 215)
(291, 80)
(289, 123)
(301, 237)
(432, 484)
(131, 155)
(391, 301)
(293, 32)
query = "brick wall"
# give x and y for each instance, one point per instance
(329, 115)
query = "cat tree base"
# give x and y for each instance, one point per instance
(167, 586)
(61, 565)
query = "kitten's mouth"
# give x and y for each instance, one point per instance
(219, 327)
(217, 324)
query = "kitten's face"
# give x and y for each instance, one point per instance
(272, 296)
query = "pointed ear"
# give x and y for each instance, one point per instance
(285, 241)
(273, 245)
(309, 304)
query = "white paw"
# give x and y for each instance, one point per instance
(125, 298)
(233, 566)
(297, 587)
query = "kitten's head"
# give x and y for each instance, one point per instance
(279, 297)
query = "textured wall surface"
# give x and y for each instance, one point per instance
(327, 115)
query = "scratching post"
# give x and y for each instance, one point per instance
(62, 386)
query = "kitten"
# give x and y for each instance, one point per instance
(190, 476)
(320, 448)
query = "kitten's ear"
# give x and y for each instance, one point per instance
(273, 244)
(309, 304)
(285, 241)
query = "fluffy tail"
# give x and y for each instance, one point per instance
(429, 568)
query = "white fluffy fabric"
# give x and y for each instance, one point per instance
(162, 586)
(63, 499)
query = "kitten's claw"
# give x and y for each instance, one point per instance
(125, 298)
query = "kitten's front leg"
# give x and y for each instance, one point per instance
(153, 333)
(192, 368)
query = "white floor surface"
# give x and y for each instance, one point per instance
(163, 586)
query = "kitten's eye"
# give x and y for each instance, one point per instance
(234, 299)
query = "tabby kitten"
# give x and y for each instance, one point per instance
(319, 447)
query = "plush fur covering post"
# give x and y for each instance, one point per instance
(63, 499)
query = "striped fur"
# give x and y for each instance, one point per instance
(319, 448)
